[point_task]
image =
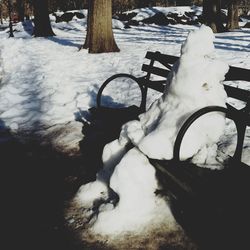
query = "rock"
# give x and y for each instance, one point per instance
(124, 16)
(65, 17)
(131, 23)
(158, 18)
(79, 15)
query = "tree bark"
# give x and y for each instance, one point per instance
(212, 15)
(41, 19)
(100, 37)
(10, 18)
(233, 15)
(1, 16)
(20, 10)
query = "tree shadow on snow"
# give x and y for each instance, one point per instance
(64, 42)
(37, 181)
(28, 27)
(231, 46)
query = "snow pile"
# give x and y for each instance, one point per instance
(129, 175)
(117, 24)
(160, 124)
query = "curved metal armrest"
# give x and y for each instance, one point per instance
(137, 80)
(194, 117)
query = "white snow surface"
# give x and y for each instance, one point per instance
(47, 82)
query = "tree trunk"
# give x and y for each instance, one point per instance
(212, 15)
(10, 18)
(41, 19)
(20, 10)
(1, 16)
(28, 10)
(100, 36)
(233, 15)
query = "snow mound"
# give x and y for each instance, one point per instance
(193, 83)
(117, 24)
(123, 197)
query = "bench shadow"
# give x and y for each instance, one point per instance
(221, 224)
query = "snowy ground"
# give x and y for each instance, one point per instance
(47, 84)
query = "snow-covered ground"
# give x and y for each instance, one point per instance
(47, 84)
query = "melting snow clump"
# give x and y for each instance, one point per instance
(194, 83)
(123, 197)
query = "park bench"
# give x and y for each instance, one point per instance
(113, 118)
(198, 195)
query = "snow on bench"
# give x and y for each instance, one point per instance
(116, 117)
(206, 192)
(200, 196)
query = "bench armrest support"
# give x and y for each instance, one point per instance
(229, 114)
(135, 79)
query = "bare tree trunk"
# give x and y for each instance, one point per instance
(87, 42)
(28, 11)
(100, 36)
(20, 10)
(233, 15)
(212, 15)
(1, 15)
(10, 18)
(42, 23)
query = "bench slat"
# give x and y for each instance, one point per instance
(155, 70)
(155, 85)
(163, 59)
(237, 93)
(237, 74)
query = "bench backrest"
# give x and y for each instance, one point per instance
(162, 69)
(166, 61)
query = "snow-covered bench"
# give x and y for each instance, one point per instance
(199, 196)
(202, 199)
(111, 119)
(159, 65)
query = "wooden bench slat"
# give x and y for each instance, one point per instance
(237, 74)
(162, 58)
(241, 94)
(155, 85)
(155, 70)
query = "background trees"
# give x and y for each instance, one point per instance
(212, 15)
(211, 12)
(9, 7)
(233, 15)
(20, 10)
